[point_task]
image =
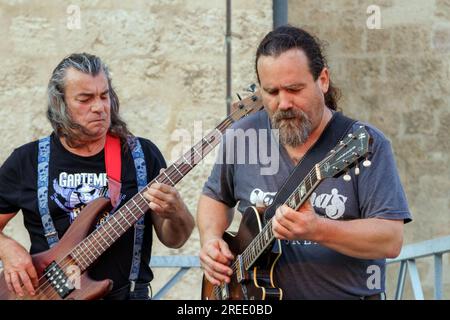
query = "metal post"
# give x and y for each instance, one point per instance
(280, 12)
(438, 276)
(415, 279)
(228, 59)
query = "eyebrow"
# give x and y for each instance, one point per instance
(86, 94)
(290, 86)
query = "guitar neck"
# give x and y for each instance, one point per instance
(266, 237)
(93, 246)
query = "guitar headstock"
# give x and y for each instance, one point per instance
(347, 154)
(246, 106)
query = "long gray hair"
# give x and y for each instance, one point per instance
(57, 111)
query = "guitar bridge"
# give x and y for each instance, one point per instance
(58, 280)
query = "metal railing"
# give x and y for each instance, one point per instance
(184, 263)
(407, 259)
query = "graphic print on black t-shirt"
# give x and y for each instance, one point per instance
(73, 191)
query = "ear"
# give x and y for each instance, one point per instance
(324, 80)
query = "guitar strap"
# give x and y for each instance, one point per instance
(113, 167)
(335, 131)
(113, 164)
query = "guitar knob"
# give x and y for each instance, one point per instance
(347, 177)
(367, 163)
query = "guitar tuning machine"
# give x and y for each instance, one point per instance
(347, 177)
(357, 169)
(367, 163)
(251, 88)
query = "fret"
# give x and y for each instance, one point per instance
(98, 252)
(157, 181)
(168, 178)
(101, 236)
(107, 233)
(137, 206)
(117, 221)
(195, 150)
(309, 187)
(267, 234)
(297, 198)
(212, 147)
(88, 250)
(80, 257)
(187, 162)
(182, 175)
(126, 220)
(112, 227)
(302, 191)
(220, 132)
(126, 207)
(291, 202)
(143, 198)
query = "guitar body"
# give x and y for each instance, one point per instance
(78, 230)
(258, 280)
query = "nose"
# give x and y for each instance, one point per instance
(284, 100)
(98, 105)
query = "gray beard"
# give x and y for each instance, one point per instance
(295, 131)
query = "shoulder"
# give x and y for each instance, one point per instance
(26, 151)
(150, 149)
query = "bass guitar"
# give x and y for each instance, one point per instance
(62, 270)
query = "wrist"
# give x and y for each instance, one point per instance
(5, 242)
(321, 231)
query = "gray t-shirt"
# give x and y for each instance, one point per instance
(307, 270)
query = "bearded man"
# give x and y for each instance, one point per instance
(336, 243)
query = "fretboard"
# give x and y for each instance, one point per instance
(93, 246)
(266, 238)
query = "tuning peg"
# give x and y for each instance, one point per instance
(239, 97)
(347, 177)
(251, 88)
(367, 163)
(357, 169)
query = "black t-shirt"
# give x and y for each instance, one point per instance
(73, 182)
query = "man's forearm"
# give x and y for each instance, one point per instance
(178, 230)
(362, 238)
(213, 218)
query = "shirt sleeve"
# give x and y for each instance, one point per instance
(380, 190)
(10, 184)
(220, 183)
(154, 159)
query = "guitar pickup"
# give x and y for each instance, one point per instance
(58, 280)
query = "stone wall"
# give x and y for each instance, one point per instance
(168, 63)
(397, 77)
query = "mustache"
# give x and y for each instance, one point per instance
(288, 114)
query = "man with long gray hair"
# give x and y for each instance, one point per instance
(53, 179)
